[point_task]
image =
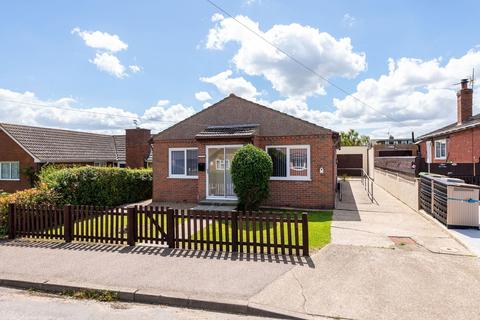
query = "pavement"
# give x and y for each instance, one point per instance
(385, 261)
(469, 237)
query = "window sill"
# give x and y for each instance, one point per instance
(440, 158)
(291, 179)
(9, 179)
(182, 177)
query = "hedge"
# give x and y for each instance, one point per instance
(98, 185)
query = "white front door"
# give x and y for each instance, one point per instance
(219, 179)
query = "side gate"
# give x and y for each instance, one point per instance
(150, 224)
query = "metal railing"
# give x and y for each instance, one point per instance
(368, 183)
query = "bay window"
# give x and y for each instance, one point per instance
(290, 162)
(9, 170)
(183, 162)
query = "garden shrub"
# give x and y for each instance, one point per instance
(98, 185)
(251, 171)
(36, 196)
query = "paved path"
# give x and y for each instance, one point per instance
(363, 274)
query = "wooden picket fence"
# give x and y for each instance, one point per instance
(244, 232)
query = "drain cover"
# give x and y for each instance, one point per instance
(400, 241)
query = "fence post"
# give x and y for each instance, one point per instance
(305, 234)
(11, 220)
(234, 231)
(67, 223)
(131, 212)
(170, 228)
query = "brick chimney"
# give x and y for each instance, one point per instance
(137, 147)
(464, 102)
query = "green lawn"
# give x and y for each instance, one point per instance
(318, 230)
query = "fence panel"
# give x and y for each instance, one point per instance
(99, 224)
(250, 232)
(44, 222)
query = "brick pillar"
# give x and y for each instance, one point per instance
(137, 147)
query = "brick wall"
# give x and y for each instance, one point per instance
(462, 147)
(319, 192)
(137, 147)
(167, 189)
(11, 151)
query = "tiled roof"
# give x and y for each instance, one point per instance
(241, 130)
(56, 145)
(471, 122)
(120, 148)
(234, 110)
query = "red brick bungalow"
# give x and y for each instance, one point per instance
(455, 149)
(193, 157)
(24, 149)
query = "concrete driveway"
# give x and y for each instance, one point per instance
(385, 262)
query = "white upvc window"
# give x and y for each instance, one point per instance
(10, 170)
(290, 162)
(183, 163)
(441, 149)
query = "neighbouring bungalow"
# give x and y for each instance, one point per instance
(25, 149)
(455, 149)
(192, 158)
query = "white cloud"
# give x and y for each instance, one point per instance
(26, 108)
(109, 63)
(349, 20)
(226, 85)
(202, 96)
(134, 68)
(217, 17)
(162, 117)
(320, 51)
(101, 40)
(106, 45)
(163, 102)
(206, 105)
(419, 95)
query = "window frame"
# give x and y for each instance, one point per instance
(184, 175)
(442, 141)
(309, 162)
(10, 165)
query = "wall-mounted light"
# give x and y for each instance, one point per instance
(322, 171)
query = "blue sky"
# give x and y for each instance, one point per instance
(401, 59)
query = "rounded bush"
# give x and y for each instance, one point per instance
(251, 171)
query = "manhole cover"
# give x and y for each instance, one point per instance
(401, 241)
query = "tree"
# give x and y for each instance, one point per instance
(353, 138)
(251, 171)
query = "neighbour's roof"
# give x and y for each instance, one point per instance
(234, 111)
(473, 121)
(57, 145)
(230, 131)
